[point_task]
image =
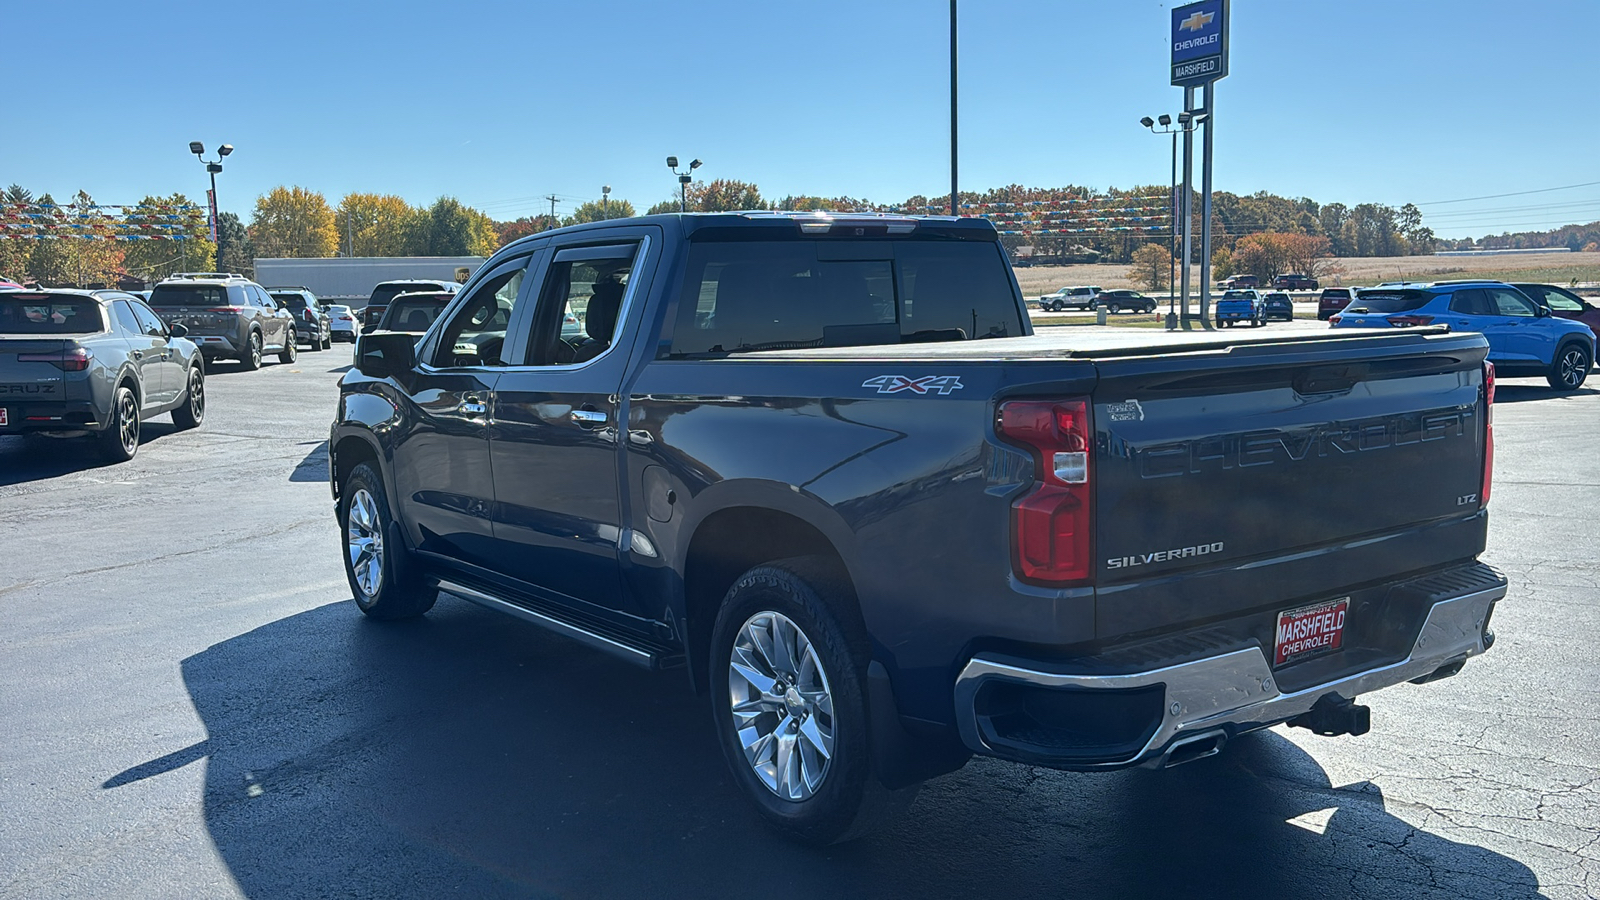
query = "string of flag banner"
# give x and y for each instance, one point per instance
(1141, 213)
(101, 221)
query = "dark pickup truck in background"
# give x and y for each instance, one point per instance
(824, 466)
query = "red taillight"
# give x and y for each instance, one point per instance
(309, 317)
(1404, 321)
(75, 360)
(226, 309)
(1334, 319)
(1052, 524)
(1488, 434)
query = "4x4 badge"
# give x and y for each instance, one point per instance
(894, 384)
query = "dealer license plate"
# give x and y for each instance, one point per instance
(3, 419)
(1310, 630)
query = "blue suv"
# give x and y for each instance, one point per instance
(1525, 339)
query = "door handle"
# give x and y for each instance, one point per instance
(589, 417)
(472, 409)
(138, 354)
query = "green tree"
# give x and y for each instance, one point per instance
(15, 248)
(1221, 263)
(153, 259)
(380, 225)
(293, 223)
(1152, 267)
(458, 230)
(596, 212)
(235, 252)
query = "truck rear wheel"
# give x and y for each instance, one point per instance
(789, 703)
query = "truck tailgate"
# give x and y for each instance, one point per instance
(1268, 475)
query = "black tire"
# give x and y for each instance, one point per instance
(327, 342)
(313, 343)
(1057, 306)
(291, 349)
(848, 801)
(119, 441)
(251, 360)
(1113, 308)
(1570, 367)
(398, 592)
(193, 409)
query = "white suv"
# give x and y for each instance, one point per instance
(1074, 297)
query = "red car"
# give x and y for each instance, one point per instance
(1564, 303)
(1333, 301)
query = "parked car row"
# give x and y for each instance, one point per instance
(94, 364)
(1527, 336)
(1092, 296)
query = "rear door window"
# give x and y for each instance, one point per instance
(1393, 301)
(791, 294)
(1469, 302)
(49, 314)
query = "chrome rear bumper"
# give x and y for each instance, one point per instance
(1233, 692)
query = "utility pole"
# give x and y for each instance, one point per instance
(552, 198)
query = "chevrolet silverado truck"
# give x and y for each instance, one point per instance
(823, 467)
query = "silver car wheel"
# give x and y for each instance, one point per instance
(197, 395)
(782, 705)
(128, 422)
(364, 539)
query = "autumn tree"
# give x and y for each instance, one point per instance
(1152, 267)
(722, 195)
(380, 225)
(293, 223)
(507, 232)
(597, 212)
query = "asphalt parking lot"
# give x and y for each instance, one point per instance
(193, 707)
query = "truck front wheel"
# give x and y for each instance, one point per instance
(789, 703)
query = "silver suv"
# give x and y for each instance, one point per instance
(229, 316)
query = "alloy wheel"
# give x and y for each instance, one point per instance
(197, 395)
(782, 706)
(128, 422)
(1574, 366)
(364, 542)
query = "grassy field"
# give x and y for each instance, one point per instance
(1549, 268)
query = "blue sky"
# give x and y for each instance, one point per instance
(499, 104)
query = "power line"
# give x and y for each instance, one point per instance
(1565, 187)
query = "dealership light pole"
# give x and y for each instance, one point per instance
(954, 208)
(215, 166)
(683, 180)
(605, 197)
(1172, 281)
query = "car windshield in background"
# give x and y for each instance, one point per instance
(189, 295)
(1392, 301)
(293, 301)
(771, 295)
(1236, 295)
(383, 293)
(415, 314)
(48, 314)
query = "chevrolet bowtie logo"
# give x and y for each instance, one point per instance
(1197, 21)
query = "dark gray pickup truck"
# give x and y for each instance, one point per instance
(824, 467)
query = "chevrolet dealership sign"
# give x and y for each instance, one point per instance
(1199, 42)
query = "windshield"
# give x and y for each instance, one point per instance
(189, 295)
(770, 295)
(49, 314)
(1392, 301)
(1238, 295)
(294, 301)
(383, 293)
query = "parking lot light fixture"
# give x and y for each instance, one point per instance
(197, 148)
(1164, 120)
(213, 166)
(683, 180)
(1147, 122)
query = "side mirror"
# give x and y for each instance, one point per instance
(385, 354)
(1544, 311)
(178, 329)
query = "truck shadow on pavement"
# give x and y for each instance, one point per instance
(1517, 393)
(469, 755)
